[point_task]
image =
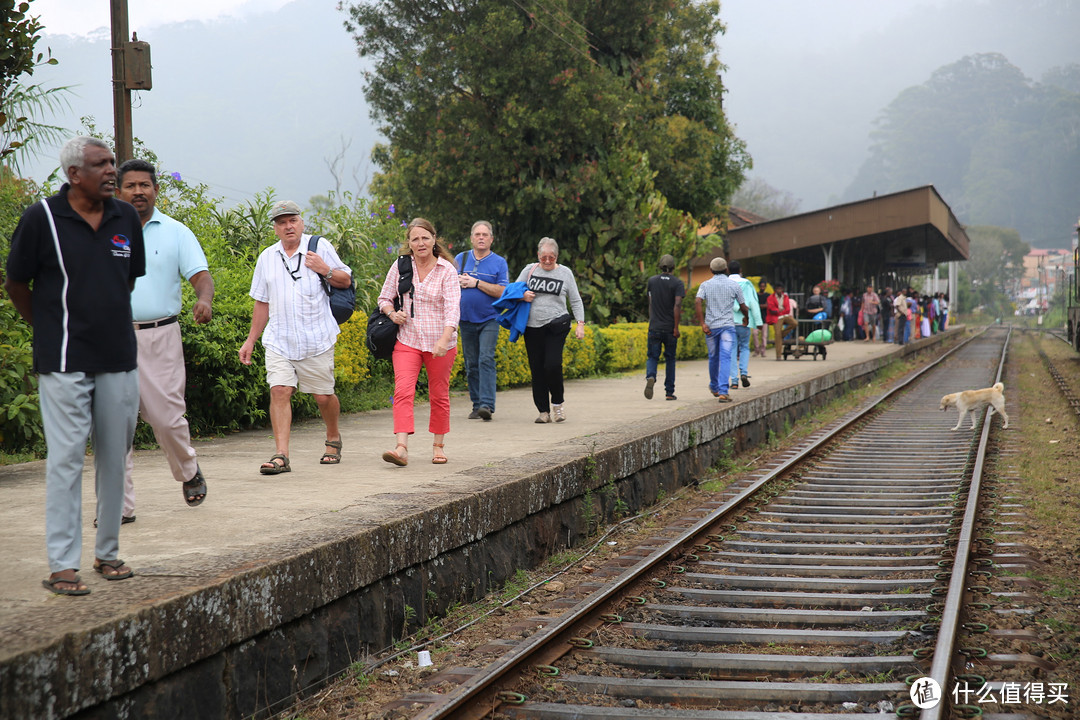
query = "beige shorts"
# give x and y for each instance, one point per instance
(313, 375)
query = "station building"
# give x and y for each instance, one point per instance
(885, 240)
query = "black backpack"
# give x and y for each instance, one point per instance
(381, 330)
(342, 300)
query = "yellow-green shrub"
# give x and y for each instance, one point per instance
(582, 358)
(511, 361)
(691, 343)
(352, 361)
(627, 345)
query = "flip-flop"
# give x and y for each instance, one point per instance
(195, 488)
(331, 458)
(100, 565)
(50, 585)
(278, 468)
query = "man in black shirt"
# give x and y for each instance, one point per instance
(665, 311)
(73, 262)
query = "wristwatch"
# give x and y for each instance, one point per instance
(329, 274)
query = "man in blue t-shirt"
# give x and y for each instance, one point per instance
(483, 275)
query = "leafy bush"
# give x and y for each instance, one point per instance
(20, 414)
(628, 344)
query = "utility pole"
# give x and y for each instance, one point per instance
(131, 71)
(121, 93)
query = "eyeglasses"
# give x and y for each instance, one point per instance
(294, 274)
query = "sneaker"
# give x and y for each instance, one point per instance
(746, 381)
(484, 413)
(724, 399)
(558, 412)
(671, 397)
(544, 418)
(649, 382)
(474, 415)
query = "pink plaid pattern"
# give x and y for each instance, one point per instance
(434, 306)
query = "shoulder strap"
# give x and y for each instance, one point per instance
(405, 284)
(312, 244)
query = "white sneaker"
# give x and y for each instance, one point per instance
(544, 418)
(558, 412)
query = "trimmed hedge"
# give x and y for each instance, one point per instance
(612, 349)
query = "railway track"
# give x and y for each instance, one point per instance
(1059, 379)
(821, 587)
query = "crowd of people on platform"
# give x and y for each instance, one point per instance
(97, 271)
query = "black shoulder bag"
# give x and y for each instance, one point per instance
(342, 300)
(381, 330)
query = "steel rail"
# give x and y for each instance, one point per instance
(479, 696)
(941, 665)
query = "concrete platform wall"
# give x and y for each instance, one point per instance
(251, 643)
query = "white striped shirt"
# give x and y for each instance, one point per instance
(301, 324)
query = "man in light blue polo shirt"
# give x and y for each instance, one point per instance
(483, 275)
(740, 360)
(173, 254)
(720, 295)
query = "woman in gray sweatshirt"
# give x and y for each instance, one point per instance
(550, 284)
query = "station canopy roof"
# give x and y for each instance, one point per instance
(910, 231)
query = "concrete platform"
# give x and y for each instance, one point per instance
(276, 583)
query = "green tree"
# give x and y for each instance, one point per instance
(19, 34)
(1002, 149)
(598, 124)
(993, 272)
(761, 198)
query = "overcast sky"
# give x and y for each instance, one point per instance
(79, 17)
(805, 80)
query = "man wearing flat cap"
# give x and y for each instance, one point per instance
(292, 314)
(665, 310)
(719, 295)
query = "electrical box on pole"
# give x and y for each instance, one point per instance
(137, 65)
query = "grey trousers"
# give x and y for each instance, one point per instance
(76, 406)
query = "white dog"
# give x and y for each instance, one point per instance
(974, 400)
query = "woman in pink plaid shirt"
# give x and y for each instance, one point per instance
(427, 336)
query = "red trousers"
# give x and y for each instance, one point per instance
(407, 363)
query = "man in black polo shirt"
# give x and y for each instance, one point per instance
(665, 310)
(73, 262)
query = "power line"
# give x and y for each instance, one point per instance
(570, 18)
(557, 35)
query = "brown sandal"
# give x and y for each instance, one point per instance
(439, 458)
(330, 458)
(392, 456)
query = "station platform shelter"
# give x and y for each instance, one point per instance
(886, 240)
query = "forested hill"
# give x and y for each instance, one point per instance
(1001, 148)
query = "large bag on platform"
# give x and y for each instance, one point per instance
(382, 332)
